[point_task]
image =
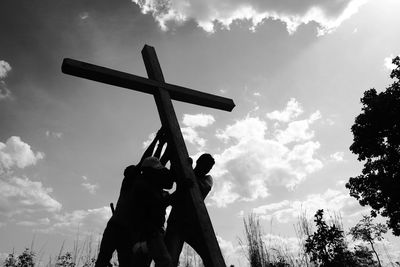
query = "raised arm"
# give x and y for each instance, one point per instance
(166, 156)
(162, 140)
(150, 149)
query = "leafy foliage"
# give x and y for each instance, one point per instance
(65, 260)
(327, 246)
(377, 141)
(362, 256)
(367, 231)
(26, 259)
(10, 261)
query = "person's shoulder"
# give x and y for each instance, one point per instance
(130, 170)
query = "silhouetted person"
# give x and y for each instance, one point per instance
(180, 224)
(122, 230)
(149, 192)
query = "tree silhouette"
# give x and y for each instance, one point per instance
(327, 246)
(377, 142)
(367, 231)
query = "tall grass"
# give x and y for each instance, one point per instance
(83, 253)
(303, 229)
(262, 251)
(259, 252)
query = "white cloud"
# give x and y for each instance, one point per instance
(91, 188)
(21, 194)
(271, 207)
(16, 152)
(302, 160)
(250, 128)
(229, 251)
(198, 120)
(191, 135)
(327, 14)
(224, 194)
(42, 221)
(256, 159)
(4, 69)
(278, 244)
(387, 63)
(292, 110)
(83, 15)
(149, 140)
(87, 221)
(190, 132)
(57, 135)
(337, 156)
(331, 200)
(298, 130)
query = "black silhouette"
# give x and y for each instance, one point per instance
(180, 227)
(163, 93)
(369, 232)
(376, 141)
(150, 195)
(122, 230)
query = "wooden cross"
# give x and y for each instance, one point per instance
(163, 93)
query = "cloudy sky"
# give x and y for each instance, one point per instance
(295, 69)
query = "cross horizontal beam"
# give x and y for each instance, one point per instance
(141, 84)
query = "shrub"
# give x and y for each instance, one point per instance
(65, 260)
(327, 246)
(26, 259)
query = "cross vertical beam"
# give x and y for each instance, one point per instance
(170, 123)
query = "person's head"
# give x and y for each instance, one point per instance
(152, 163)
(204, 164)
(153, 169)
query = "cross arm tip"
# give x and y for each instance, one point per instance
(233, 105)
(66, 65)
(63, 64)
(147, 47)
(229, 105)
